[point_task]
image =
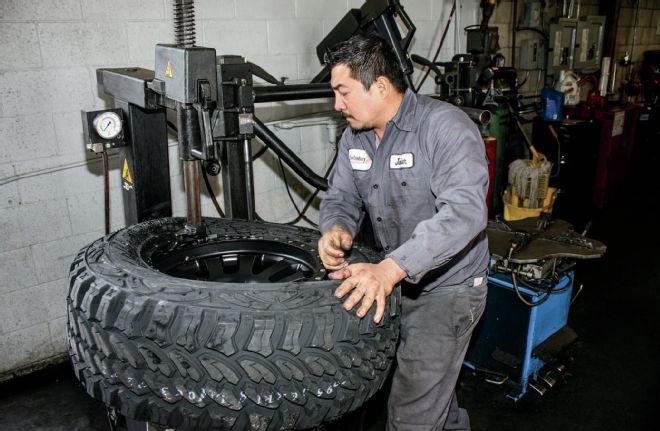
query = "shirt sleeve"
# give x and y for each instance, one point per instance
(341, 204)
(459, 182)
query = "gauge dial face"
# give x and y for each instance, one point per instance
(107, 125)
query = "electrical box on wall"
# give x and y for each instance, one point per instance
(589, 43)
(532, 54)
(561, 52)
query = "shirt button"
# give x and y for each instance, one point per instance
(375, 186)
(404, 184)
(379, 219)
(387, 247)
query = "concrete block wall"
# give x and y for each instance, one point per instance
(51, 201)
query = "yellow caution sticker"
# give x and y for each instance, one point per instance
(168, 70)
(126, 177)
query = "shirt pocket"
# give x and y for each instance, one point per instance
(408, 189)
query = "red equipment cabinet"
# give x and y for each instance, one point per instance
(618, 126)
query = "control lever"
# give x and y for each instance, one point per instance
(204, 115)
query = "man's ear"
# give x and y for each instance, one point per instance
(383, 86)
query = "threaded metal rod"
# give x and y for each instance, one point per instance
(184, 23)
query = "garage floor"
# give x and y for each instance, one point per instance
(611, 384)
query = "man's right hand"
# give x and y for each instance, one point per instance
(333, 246)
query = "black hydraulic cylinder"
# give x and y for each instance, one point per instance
(278, 93)
(274, 143)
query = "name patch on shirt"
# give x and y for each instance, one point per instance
(360, 160)
(401, 161)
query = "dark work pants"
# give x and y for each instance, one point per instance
(435, 331)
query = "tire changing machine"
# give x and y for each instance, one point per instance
(523, 334)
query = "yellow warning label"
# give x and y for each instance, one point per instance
(126, 174)
(168, 70)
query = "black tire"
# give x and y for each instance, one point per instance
(190, 353)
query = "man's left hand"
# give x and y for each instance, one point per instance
(369, 282)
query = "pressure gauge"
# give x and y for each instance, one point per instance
(103, 129)
(107, 124)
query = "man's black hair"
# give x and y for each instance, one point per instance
(368, 56)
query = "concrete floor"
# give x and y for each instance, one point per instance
(610, 385)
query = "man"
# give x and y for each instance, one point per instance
(418, 168)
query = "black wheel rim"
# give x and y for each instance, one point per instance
(240, 261)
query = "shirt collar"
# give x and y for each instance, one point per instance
(406, 113)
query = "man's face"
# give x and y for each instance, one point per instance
(359, 106)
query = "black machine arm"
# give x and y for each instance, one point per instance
(289, 157)
(375, 16)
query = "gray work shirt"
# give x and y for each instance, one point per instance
(424, 188)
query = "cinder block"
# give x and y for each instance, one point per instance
(44, 221)
(143, 37)
(440, 10)
(315, 139)
(27, 137)
(265, 9)
(266, 173)
(308, 66)
(58, 337)
(30, 10)
(69, 133)
(274, 206)
(627, 17)
(648, 36)
(53, 259)
(59, 184)
(290, 137)
(316, 161)
(503, 13)
(92, 43)
(25, 346)
(62, 43)
(418, 9)
(10, 229)
(17, 269)
(211, 9)
(355, 4)
(46, 90)
(277, 65)
(124, 9)
(645, 18)
(87, 211)
(320, 9)
(294, 36)
(427, 37)
(28, 224)
(23, 51)
(37, 304)
(8, 191)
(245, 38)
